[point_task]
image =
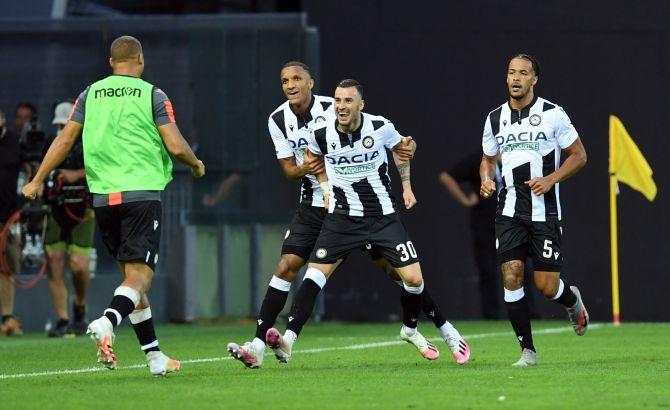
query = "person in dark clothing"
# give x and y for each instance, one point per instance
(482, 218)
(10, 165)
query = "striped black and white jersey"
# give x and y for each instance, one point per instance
(529, 141)
(290, 134)
(357, 165)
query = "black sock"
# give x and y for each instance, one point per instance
(146, 334)
(273, 303)
(79, 312)
(411, 308)
(121, 304)
(520, 319)
(62, 322)
(303, 305)
(430, 309)
(567, 298)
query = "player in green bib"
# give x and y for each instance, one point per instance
(129, 132)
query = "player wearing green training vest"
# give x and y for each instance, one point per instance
(128, 129)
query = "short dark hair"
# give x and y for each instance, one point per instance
(125, 48)
(27, 105)
(297, 64)
(348, 83)
(528, 57)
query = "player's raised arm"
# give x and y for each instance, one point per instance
(56, 153)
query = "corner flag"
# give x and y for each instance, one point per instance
(628, 165)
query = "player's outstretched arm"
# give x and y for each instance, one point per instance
(312, 164)
(179, 148)
(575, 161)
(56, 154)
(405, 171)
(454, 188)
(487, 173)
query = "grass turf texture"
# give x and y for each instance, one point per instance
(624, 367)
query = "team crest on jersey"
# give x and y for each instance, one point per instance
(321, 253)
(320, 119)
(535, 120)
(368, 142)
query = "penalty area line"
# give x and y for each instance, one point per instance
(361, 346)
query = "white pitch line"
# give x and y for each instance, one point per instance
(317, 350)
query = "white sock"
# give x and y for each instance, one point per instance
(258, 345)
(290, 337)
(409, 331)
(447, 329)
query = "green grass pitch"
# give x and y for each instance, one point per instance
(348, 366)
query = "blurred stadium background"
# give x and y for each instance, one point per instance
(436, 68)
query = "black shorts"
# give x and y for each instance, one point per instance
(517, 238)
(303, 231)
(131, 231)
(386, 235)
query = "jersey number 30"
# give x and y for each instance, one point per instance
(403, 249)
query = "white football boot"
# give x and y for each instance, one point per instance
(160, 365)
(279, 345)
(528, 358)
(102, 333)
(246, 354)
(425, 347)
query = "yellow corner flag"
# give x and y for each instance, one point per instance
(628, 165)
(627, 162)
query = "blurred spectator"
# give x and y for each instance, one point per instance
(482, 224)
(225, 187)
(10, 164)
(23, 114)
(69, 233)
(482, 218)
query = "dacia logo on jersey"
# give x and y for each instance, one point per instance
(117, 92)
(320, 119)
(368, 142)
(354, 159)
(521, 137)
(302, 143)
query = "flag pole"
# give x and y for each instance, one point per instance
(614, 240)
(614, 251)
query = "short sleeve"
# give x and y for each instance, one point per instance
(282, 147)
(318, 134)
(391, 136)
(78, 112)
(565, 132)
(489, 144)
(162, 108)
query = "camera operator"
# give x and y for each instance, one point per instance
(69, 233)
(10, 165)
(24, 113)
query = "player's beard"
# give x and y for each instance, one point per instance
(518, 97)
